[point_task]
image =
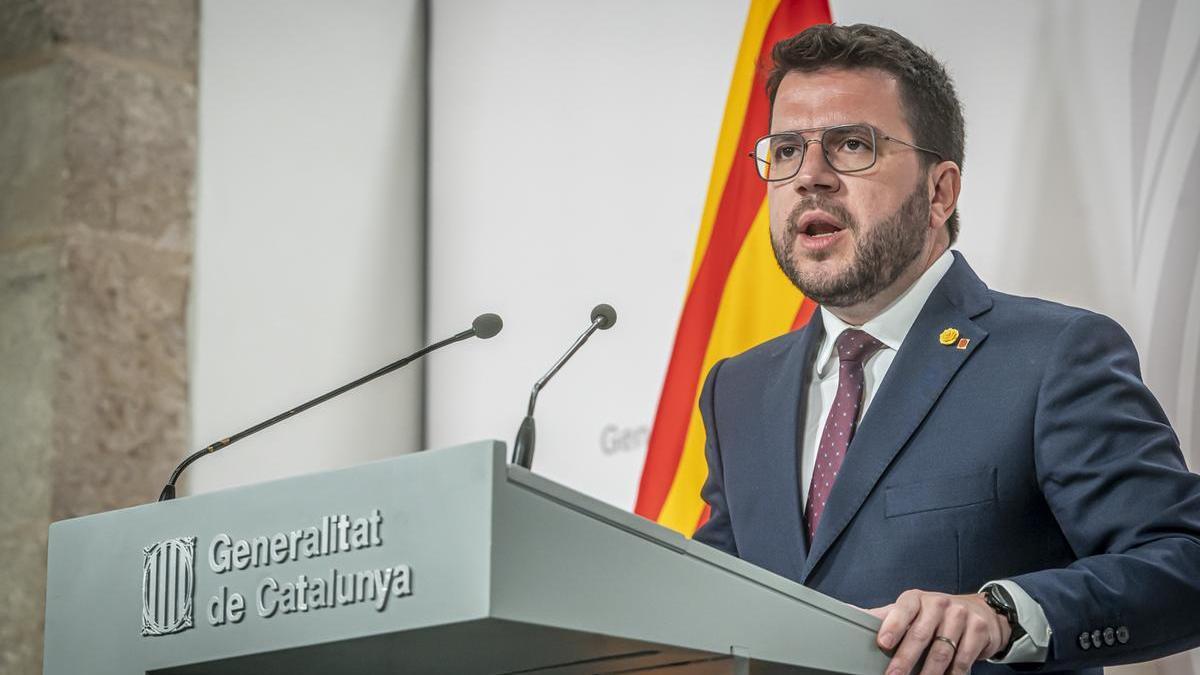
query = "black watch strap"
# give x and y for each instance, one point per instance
(1000, 600)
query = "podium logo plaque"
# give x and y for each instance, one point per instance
(168, 581)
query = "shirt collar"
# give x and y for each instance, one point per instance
(893, 323)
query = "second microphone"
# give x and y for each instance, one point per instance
(603, 318)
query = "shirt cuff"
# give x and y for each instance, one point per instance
(1035, 644)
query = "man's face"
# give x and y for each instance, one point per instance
(843, 238)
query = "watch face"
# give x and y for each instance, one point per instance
(1000, 598)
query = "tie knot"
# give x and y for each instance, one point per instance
(856, 345)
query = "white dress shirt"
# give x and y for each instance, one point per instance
(890, 328)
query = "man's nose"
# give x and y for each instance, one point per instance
(815, 174)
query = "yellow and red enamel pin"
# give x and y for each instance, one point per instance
(950, 336)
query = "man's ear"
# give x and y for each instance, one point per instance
(945, 182)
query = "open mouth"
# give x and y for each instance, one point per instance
(821, 228)
(816, 231)
(818, 227)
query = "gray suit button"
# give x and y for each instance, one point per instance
(1096, 638)
(1085, 642)
(1110, 638)
(1122, 634)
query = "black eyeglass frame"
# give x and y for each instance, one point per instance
(876, 134)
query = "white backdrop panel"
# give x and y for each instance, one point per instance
(571, 145)
(309, 232)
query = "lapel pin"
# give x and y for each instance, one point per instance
(948, 336)
(962, 344)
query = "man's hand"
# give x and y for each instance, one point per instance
(958, 630)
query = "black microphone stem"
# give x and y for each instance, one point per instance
(603, 317)
(168, 491)
(537, 386)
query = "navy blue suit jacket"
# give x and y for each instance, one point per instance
(1034, 454)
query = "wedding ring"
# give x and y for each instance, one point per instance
(943, 638)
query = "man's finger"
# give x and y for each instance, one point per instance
(939, 657)
(975, 644)
(902, 613)
(919, 634)
(880, 612)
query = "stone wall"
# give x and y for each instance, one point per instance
(97, 159)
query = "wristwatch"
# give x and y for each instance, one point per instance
(1000, 600)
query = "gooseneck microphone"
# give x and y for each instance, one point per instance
(603, 318)
(484, 326)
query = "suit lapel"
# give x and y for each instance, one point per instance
(918, 375)
(784, 400)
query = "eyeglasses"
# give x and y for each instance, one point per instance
(847, 148)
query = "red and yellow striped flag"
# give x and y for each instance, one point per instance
(737, 297)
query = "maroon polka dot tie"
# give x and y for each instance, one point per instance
(853, 348)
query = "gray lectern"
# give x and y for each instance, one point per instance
(448, 561)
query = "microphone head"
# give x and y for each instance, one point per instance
(604, 316)
(487, 325)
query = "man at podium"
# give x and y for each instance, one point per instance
(987, 472)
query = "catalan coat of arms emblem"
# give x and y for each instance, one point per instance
(168, 582)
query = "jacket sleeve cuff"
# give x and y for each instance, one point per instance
(1035, 644)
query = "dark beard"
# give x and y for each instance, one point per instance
(879, 258)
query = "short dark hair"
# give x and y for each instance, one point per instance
(927, 94)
